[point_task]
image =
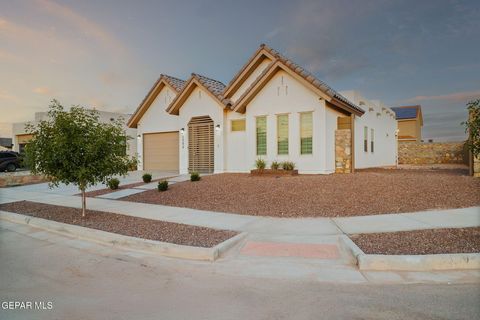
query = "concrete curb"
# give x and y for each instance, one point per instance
(428, 262)
(138, 244)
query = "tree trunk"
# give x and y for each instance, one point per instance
(84, 203)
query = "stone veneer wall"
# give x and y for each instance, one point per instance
(10, 179)
(343, 151)
(431, 153)
(476, 167)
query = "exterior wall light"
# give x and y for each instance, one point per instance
(217, 127)
(182, 131)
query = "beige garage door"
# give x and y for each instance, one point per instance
(160, 151)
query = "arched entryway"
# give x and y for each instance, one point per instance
(201, 145)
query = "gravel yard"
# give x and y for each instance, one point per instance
(366, 192)
(431, 241)
(126, 225)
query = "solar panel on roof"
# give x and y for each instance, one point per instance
(405, 113)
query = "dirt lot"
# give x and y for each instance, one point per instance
(126, 225)
(432, 241)
(363, 193)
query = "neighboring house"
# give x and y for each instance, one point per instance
(21, 137)
(272, 109)
(5, 143)
(410, 123)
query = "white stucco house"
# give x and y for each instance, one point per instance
(271, 109)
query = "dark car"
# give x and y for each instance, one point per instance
(9, 161)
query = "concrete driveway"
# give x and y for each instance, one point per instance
(84, 280)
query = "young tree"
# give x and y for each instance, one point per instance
(473, 127)
(74, 147)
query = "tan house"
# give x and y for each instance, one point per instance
(409, 123)
(21, 137)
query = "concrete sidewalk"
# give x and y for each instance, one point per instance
(454, 218)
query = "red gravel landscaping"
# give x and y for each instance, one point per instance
(366, 192)
(431, 241)
(126, 225)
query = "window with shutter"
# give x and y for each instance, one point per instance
(365, 139)
(372, 139)
(306, 133)
(261, 128)
(282, 134)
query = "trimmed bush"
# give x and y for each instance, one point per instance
(147, 177)
(275, 165)
(195, 176)
(162, 185)
(288, 165)
(260, 164)
(113, 183)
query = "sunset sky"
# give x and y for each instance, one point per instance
(108, 53)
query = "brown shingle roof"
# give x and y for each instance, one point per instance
(176, 83)
(214, 86)
(310, 78)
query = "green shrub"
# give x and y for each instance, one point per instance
(275, 165)
(132, 164)
(195, 176)
(113, 183)
(147, 177)
(288, 165)
(162, 185)
(260, 164)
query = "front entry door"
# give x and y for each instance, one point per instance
(200, 145)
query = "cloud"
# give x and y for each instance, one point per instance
(8, 97)
(451, 97)
(82, 24)
(43, 90)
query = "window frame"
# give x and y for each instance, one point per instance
(278, 132)
(372, 140)
(300, 133)
(256, 135)
(365, 138)
(237, 120)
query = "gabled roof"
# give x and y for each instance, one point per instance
(260, 54)
(164, 80)
(214, 87)
(281, 62)
(408, 112)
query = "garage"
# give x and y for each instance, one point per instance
(160, 151)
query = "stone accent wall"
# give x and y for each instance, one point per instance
(9, 179)
(476, 167)
(343, 151)
(431, 153)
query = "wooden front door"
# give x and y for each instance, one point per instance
(200, 145)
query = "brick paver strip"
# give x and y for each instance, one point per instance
(281, 249)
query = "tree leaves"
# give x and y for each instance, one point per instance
(75, 147)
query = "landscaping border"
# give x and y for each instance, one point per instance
(127, 242)
(427, 262)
